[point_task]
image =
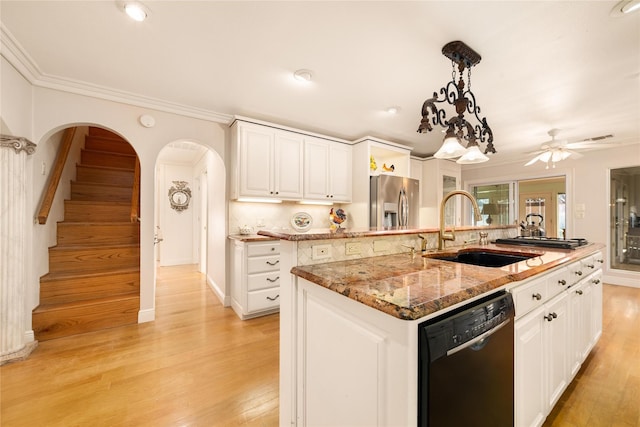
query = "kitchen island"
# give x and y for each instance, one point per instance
(349, 329)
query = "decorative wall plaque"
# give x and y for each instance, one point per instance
(179, 195)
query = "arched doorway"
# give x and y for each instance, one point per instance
(190, 211)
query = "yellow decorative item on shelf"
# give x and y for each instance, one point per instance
(388, 169)
(372, 163)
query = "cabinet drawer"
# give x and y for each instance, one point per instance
(557, 282)
(263, 281)
(529, 296)
(263, 264)
(577, 272)
(260, 249)
(589, 264)
(263, 299)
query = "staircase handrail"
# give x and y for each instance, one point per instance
(135, 194)
(55, 175)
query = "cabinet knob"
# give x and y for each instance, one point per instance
(579, 273)
(537, 296)
(590, 266)
(274, 298)
(562, 282)
(579, 292)
(596, 281)
(273, 249)
(551, 316)
(601, 261)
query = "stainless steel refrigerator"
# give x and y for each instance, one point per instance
(394, 202)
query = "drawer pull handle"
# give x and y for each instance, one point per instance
(551, 316)
(579, 292)
(562, 282)
(273, 263)
(273, 249)
(596, 281)
(601, 261)
(273, 280)
(579, 273)
(274, 298)
(590, 266)
(537, 296)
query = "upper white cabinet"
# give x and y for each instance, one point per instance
(269, 162)
(327, 170)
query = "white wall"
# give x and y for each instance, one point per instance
(16, 103)
(587, 184)
(177, 226)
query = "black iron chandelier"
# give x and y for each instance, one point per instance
(459, 130)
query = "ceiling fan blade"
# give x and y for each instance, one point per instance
(532, 161)
(588, 142)
(574, 155)
(581, 145)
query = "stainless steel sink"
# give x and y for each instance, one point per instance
(482, 257)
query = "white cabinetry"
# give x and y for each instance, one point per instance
(269, 162)
(558, 321)
(255, 278)
(327, 170)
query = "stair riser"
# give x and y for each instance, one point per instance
(104, 176)
(60, 291)
(93, 234)
(112, 145)
(87, 318)
(95, 213)
(114, 160)
(94, 131)
(92, 260)
(83, 191)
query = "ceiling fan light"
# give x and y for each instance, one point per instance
(472, 155)
(630, 6)
(136, 11)
(557, 155)
(545, 157)
(451, 148)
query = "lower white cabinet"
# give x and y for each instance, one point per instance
(255, 278)
(557, 324)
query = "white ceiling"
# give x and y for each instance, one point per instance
(545, 64)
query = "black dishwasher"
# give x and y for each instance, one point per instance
(465, 370)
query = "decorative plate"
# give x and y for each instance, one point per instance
(301, 221)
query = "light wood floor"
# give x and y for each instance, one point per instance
(198, 365)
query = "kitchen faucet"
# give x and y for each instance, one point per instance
(452, 236)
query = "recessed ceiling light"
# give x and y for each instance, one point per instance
(625, 7)
(136, 11)
(304, 76)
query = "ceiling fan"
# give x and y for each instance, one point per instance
(556, 150)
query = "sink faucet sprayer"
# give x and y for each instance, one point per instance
(452, 236)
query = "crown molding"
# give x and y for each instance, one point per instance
(18, 57)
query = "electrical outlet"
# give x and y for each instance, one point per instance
(352, 248)
(380, 246)
(320, 252)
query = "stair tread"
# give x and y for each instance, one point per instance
(110, 153)
(97, 202)
(93, 247)
(83, 303)
(113, 168)
(97, 223)
(101, 184)
(65, 275)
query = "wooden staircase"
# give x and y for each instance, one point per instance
(94, 270)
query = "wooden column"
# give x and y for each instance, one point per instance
(14, 220)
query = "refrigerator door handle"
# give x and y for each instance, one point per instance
(403, 209)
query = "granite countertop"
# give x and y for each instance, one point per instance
(345, 233)
(411, 288)
(251, 238)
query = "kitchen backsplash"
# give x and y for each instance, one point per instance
(277, 216)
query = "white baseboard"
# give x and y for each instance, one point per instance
(621, 281)
(148, 315)
(225, 300)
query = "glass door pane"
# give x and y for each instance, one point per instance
(624, 221)
(495, 203)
